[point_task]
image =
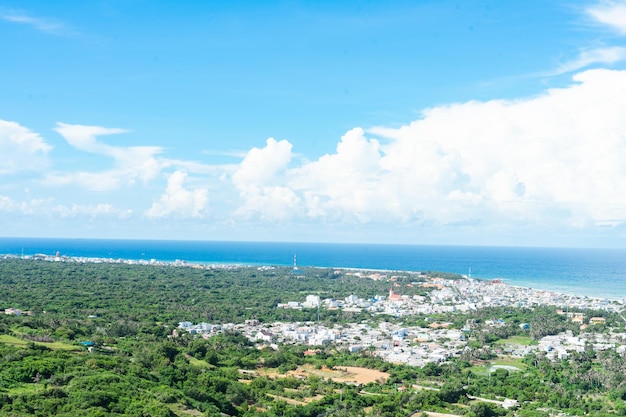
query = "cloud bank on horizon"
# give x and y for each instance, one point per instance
(549, 163)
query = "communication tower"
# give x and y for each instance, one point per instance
(295, 271)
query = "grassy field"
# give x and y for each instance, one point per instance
(508, 361)
(198, 363)
(26, 389)
(181, 410)
(502, 361)
(14, 341)
(517, 340)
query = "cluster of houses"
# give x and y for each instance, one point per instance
(563, 345)
(470, 294)
(462, 295)
(579, 318)
(394, 343)
(417, 345)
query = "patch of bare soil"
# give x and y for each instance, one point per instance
(343, 374)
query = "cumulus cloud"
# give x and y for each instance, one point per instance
(261, 166)
(346, 182)
(131, 164)
(555, 159)
(21, 149)
(557, 152)
(179, 201)
(260, 180)
(611, 13)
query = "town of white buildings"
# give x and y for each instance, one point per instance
(437, 342)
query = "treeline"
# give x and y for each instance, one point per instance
(138, 294)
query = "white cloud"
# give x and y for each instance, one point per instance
(34, 206)
(555, 160)
(606, 13)
(260, 180)
(550, 161)
(92, 211)
(45, 208)
(179, 201)
(21, 149)
(85, 137)
(610, 13)
(131, 164)
(41, 24)
(588, 57)
(543, 156)
(261, 166)
(344, 184)
(273, 203)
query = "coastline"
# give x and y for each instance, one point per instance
(571, 291)
(534, 292)
(583, 272)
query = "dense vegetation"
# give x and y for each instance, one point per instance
(135, 367)
(149, 294)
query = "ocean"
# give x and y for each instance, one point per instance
(587, 272)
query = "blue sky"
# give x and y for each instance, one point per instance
(425, 122)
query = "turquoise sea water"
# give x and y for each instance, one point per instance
(592, 272)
